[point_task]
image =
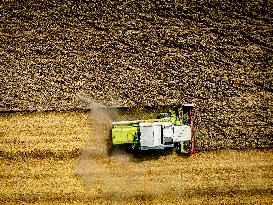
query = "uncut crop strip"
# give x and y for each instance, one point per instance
(43, 134)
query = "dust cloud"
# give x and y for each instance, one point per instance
(98, 153)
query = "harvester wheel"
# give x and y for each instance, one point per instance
(135, 145)
(178, 149)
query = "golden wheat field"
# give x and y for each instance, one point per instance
(54, 158)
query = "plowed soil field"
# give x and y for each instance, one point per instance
(70, 55)
(55, 158)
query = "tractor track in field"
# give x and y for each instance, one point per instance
(41, 154)
(119, 198)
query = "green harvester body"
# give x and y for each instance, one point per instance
(172, 129)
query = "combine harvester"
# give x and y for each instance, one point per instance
(173, 129)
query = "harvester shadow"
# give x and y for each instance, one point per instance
(151, 155)
(156, 154)
(141, 155)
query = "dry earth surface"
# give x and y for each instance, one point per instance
(59, 158)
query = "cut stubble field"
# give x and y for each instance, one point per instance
(55, 157)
